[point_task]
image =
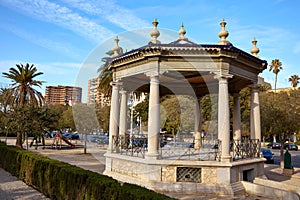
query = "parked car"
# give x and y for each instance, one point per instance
(97, 139)
(178, 144)
(139, 142)
(267, 154)
(274, 145)
(75, 136)
(290, 146)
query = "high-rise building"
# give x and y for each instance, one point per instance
(95, 96)
(63, 95)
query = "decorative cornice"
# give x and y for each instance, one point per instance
(165, 50)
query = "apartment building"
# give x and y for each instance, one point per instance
(63, 95)
(95, 96)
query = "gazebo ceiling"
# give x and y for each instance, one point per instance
(185, 67)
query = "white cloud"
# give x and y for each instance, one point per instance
(59, 68)
(113, 13)
(269, 38)
(51, 69)
(61, 16)
(56, 46)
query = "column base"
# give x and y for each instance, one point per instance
(152, 156)
(226, 158)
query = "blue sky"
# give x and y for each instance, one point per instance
(66, 39)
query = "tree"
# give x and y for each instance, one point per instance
(22, 92)
(103, 117)
(3, 93)
(54, 113)
(294, 79)
(85, 118)
(177, 113)
(66, 120)
(280, 115)
(275, 67)
(105, 79)
(142, 110)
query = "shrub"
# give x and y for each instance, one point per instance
(59, 180)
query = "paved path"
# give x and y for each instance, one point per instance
(13, 188)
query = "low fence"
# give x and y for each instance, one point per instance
(201, 149)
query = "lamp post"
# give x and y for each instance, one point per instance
(85, 139)
(131, 115)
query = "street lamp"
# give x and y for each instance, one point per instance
(131, 114)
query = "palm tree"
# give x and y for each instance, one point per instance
(22, 92)
(276, 66)
(106, 75)
(106, 78)
(294, 79)
(3, 105)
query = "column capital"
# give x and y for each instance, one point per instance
(152, 74)
(222, 77)
(254, 87)
(123, 91)
(116, 83)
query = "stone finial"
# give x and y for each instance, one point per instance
(223, 34)
(116, 48)
(254, 49)
(181, 33)
(154, 33)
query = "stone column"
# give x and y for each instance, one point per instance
(198, 124)
(236, 117)
(153, 118)
(255, 126)
(114, 115)
(224, 117)
(123, 114)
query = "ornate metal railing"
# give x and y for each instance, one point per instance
(203, 150)
(131, 146)
(245, 148)
(208, 150)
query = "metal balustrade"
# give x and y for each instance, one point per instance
(208, 150)
(245, 148)
(204, 150)
(130, 146)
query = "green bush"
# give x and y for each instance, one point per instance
(59, 180)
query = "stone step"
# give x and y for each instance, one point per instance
(238, 188)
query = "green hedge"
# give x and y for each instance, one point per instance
(59, 180)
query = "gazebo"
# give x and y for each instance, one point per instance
(183, 67)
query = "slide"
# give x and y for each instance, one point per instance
(67, 141)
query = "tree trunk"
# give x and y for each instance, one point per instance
(275, 82)
(281, 154)
(19, 140)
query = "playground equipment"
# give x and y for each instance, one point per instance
(58, 139)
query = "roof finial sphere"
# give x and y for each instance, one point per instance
(223, 34)
(181, 33)
(116, 48)
(254, 49)
(155, 33)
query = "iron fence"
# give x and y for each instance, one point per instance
(130, 146)
(245, 148)
(202, 150)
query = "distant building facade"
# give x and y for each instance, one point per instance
(63, 95)
(95, 96)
